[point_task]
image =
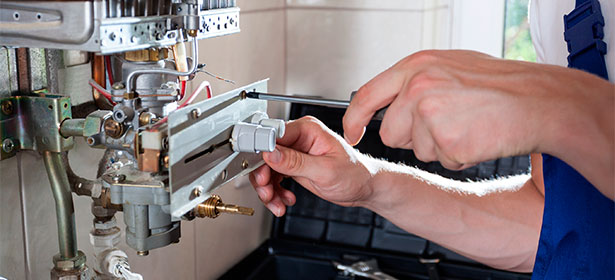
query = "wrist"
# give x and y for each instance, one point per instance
(378, 188)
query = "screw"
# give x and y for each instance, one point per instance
(159, 36)
(7, 107)
(245, 164)
(112, 36)
(8, 145)
(224, 175)
(119, 178)
(197, 191)
(166, 161)
(113, 129)
(195, 113)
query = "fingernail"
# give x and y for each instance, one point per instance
(347, 139)
(286, 200)
(261, 193)
(275, 156)
(258, 177)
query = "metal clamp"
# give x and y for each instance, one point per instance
(33, 123)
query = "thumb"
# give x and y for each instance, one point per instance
(291, 162)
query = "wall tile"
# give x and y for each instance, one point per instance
(254, 54)
(250, 6)
(357, 4)
(12, 265)
(333, 52)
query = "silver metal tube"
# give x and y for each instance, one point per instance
(72, 127)
(300, 99)
(65, 211)
(131, 79)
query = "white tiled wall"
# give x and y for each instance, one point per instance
(326, 47)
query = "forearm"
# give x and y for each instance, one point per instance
(496, 223)
(579, 126)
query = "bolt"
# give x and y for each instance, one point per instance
(112, 36)
(118, 178)
(195, 113)
(193, 32)
(243, 95)
(224, 175)
(245, 164)
(7, 107)
(8, 145)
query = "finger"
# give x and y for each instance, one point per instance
(301, 134)
(287, 196)
(397, 124)
(292, 162)
(262, 175)
(265, 193)
(375, 95)
(276, 206)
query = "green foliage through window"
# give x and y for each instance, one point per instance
(517, 39)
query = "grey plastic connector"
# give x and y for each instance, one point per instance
(278, 125)
(253, 138)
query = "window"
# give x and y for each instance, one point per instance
(517, 39)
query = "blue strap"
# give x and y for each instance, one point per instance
(584, 34)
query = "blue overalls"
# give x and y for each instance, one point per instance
(578, 231)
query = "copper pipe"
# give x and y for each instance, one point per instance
(98, 75)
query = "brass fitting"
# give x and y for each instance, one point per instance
(193, 32)
(213, 207)
(146, 118)
(113, 129)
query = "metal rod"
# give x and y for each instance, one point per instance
(72, 127)
(131, 79)
(65, 211)
(299, 99)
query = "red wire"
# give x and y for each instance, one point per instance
(108, 67)
(183, 90)
(100, 90)
(190, 99)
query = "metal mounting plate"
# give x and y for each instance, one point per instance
(33, 123)
(84, 25)
(199, 156)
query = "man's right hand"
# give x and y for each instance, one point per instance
(319, 160)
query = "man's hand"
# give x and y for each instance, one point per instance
(464, 107)
(457, 107)
(316, 158)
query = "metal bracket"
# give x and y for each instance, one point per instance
(200, 154)
(33, 123)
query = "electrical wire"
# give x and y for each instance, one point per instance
(101, 90)
(109, 71)
(195, 93)
(182, 92)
